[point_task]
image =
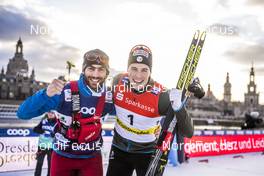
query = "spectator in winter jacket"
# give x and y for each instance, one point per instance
(46, 129)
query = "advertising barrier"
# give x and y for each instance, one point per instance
(18, 147)
(18, 153)
(210, 143)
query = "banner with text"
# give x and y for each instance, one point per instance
(223, 144)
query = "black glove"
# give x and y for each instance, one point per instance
(196, 88)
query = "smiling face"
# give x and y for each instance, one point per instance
(95, 75)
(138, 75)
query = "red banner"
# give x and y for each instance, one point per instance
(219, 145)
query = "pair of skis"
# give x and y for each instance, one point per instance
(188, 70)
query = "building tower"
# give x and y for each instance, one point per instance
(251, 97)
(17, 65)
(227, 89)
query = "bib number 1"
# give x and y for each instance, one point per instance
(131, 117)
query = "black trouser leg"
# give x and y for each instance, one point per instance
(40, 158)
(119, 163)
(142, 163)
(49, 161)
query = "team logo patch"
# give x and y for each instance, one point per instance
(155, 90)
(125, 80)
(119, 96)
(139, 59)
(141, 52)
(67, 95)
(108, 96)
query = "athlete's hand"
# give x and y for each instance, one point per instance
(196, 88)
(55, 87)
(176, 99)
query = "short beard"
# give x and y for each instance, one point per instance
(100, 84)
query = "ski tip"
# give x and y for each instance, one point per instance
(200, 35)
(203, 36)
(196, 34)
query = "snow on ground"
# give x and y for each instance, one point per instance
(250, 164)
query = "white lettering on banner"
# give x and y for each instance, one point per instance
(200, 146)
(245, 144)
(228, 145)
(19, 132)
(86, 110)
(139, 105)
(213, 145)
(258, 143)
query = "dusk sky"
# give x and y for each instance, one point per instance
(67, 29)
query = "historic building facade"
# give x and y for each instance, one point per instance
(210, 107)
(16, 83)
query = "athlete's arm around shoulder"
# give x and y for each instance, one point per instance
(42, 101)
(184, 122)
(116, 79)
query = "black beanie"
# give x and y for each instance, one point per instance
(140, 54)
(97, 57)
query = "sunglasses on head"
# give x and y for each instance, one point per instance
(93, 57)
(144, 47)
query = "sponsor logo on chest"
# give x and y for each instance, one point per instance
(126, 101)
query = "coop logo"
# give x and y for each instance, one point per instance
(86, 110)
(18, 132)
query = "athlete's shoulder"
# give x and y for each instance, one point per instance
(156, 87)
(120, 77)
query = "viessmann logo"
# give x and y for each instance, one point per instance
(18, 132)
